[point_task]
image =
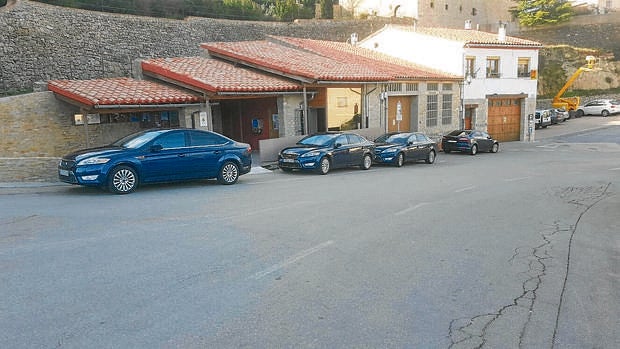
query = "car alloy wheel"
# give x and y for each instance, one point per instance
(495, 148)
(324, 166)
(605, 113)
(366, 162)
(229, 173)
(474, 149)
(400, 160)
(430, 158)
(122, 180)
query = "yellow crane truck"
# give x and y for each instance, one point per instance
(570, 104)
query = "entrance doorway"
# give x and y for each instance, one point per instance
(404, 104)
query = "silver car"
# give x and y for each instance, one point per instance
(602, 107)
(561, 115)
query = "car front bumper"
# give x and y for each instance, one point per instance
(299, 163)
(82, 175)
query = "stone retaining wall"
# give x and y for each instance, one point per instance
(41, 42)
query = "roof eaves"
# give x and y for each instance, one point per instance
(55, 87)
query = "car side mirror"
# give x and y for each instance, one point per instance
(337, 145)
(156, 148)
(409, 143)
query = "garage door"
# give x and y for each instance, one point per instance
(505, 119)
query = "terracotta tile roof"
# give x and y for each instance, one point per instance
(313, 60)
(121, 91)
(466, 36)
(216, 76)
(345, 52)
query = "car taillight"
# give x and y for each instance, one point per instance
(464, 139)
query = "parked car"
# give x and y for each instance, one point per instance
(323, 151)
(470, 141)
(159, 155)
(396, 148)
(602, 107)
(542, 118)
(559, 114)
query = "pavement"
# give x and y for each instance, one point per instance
(568, 127)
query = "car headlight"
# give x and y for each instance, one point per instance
(390, 151)
(93, 161)
(311, 154)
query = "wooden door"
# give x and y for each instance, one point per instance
(504, 118)
(405, 124)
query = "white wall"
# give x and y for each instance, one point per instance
(509, 82)
(442, 54)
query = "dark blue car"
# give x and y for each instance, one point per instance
(160, 155)
(399, 147)
(469, 141)
(323, 151)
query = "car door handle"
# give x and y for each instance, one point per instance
(217, 152)
(181, 155)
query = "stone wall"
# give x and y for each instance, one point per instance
(41, 42)
(36, 130)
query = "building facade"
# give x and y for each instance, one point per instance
(499, 72)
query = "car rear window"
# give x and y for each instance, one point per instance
(459, 133)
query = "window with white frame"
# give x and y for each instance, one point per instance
(523, 67)
(493, 67)
(431, 110)
(470, 67)
(446, 109)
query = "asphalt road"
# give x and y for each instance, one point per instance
(517, 249)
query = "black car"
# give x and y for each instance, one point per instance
(471, 141)
(396, 148)
(160, 155)
(323, 151)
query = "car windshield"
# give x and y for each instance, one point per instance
(400, 138)
(318, 140)
(136, 140)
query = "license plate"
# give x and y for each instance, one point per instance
(63, 172)
(288, 160)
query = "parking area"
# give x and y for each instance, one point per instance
(576, 125)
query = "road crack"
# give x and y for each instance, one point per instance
(472, 332)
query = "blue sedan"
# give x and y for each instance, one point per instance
(470, 141)
(160, 155)
(399, 147)
(323, 151)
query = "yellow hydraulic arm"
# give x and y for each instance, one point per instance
(571, 103)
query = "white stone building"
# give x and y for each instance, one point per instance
(499, 72)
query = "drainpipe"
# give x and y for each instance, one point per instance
(305, 110)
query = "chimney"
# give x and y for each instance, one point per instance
(468, 24)
(501, 32)
(354, 39)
